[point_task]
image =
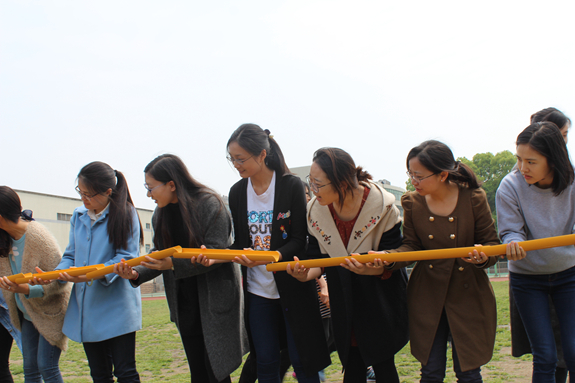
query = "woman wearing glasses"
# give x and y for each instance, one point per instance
(352, 214)
(105, 314)
(38, 311)
(205, 302)
(448, 209)
(268, 211)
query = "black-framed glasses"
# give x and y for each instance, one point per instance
(239, 162)
(313, 185)
(84, 195)
(152, 189)
(418, 179)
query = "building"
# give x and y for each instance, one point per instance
(396, 191)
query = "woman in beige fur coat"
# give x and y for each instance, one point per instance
(28, 247)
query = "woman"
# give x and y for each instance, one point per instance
(352, 214)
(105, 314)
(519, 339)
(205, 302)
(446, 210)
(38, 311)
(537, 201)
(268, 211)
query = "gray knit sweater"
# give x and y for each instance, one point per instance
(528, 212)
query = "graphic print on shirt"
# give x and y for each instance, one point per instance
(260, 226)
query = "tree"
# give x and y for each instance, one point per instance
(409, 186)
(490, 169)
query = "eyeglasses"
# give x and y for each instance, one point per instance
(418, 179)
(239, 162)
(152, 189)
(313, 185)
(84, 195)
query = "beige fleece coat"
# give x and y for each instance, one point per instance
(47, 312)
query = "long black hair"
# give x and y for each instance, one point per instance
(341, 171)
(10, 210)
(546, 139)
(437, 158)
(190, 194)
(254, 140)
(98, 178)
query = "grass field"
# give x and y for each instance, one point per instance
(161, 358)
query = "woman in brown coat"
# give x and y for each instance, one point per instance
(448, 209)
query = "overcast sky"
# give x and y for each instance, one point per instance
(125, 81)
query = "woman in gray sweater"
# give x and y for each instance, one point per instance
(538, 201)
(205, 302)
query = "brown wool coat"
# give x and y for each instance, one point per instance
(461, 288)
(47, 313)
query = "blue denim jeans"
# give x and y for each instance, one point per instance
(434, 370)
(266, 323)
(532, 294)
(40, 357)
(115, 356)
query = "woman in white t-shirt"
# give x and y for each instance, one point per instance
(268, 209)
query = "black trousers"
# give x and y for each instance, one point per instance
(116, 356)
(5, 347)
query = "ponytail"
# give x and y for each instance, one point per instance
(98, 178)
(362, 175)
(463, 175)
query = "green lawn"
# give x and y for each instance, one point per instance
(160, 355)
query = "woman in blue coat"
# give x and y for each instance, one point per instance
(105, 314)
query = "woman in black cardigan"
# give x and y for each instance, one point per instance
(268, 210)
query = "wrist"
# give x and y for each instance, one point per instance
(137, 275)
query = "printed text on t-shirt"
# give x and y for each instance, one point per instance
(260, 225)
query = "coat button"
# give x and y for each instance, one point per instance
(466, 285)
(431, 219)
(461, 269)
(431, 266)
(452, 236)
(430, 236)
(450, 219)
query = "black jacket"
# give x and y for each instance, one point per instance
(299, 300)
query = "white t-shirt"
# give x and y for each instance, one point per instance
(260, 217)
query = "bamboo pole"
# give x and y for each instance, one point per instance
(135, 261)
(412, 256)
(252, 255)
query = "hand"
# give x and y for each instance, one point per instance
(158, 264)
(476, 257)
(385, 263)
(323, 291)
(245, 261)
(205, 261)
(514, 252)
(7, 284)
(39, 281)
(125, 271)
(369, 268)
(68, 278)
(299, 271)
